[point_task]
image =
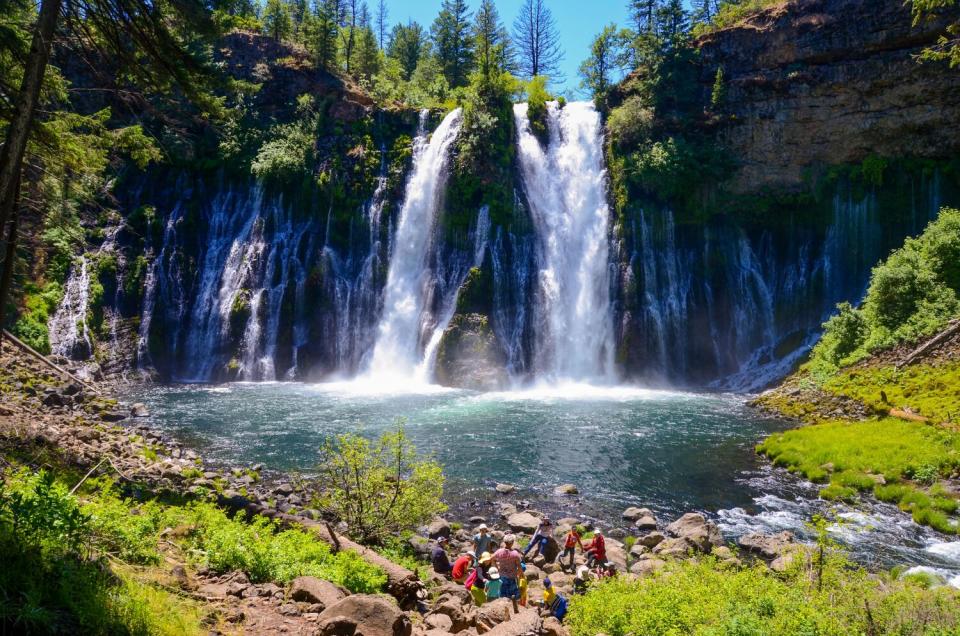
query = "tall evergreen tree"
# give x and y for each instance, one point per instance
(537, 41)
(491, 43)
(673, 23)
(452, 41)
(322, 40)
(276, 20)
(382, 15)
(704, 10)
(408, 43)
(608, 55)
(349, 21)
(643, 14)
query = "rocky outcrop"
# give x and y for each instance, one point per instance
(810, 83)
(469, 355)
(364, 615)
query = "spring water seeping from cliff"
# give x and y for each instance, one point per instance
(565, 187)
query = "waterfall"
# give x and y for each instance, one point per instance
(565, 186)
(397, 351)
(69, 333)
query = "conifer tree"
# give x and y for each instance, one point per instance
(491, 44)
(537, 41)
(408, 43)
(452, 41)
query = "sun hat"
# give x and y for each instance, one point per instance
(494, 573)
(583, 571)
(482, 526)
(486, 557)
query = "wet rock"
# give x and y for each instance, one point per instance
(633, 513)
(767, 546)
(505, 489)
(307, 589)
(139, 409)
(364, 615)
(566, 489)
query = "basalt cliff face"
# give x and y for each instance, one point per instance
(813, 83)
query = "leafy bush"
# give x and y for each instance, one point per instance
(631, 122)
(707, 597)
(846, 332)
(380, 488)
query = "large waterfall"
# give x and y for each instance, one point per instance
(565, 187)
(400, 340)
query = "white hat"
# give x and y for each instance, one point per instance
(482, 526)
(494, 573)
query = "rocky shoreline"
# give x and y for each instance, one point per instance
(43, 412)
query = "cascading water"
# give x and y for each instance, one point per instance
(565, 186)
(69, 333)
(400, 334)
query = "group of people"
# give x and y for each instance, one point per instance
(496, 569)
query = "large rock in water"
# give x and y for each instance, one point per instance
(767, 546)
(694, 528)
(363, 615)
(468, 356)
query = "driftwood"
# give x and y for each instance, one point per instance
(930, 345)
(44, 359)
(402, 584)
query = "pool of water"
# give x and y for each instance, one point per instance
(673, 452)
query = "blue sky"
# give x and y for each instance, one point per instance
(578, 23)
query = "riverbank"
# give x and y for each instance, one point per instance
(177, 553)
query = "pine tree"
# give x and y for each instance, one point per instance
(673, 23)
(537, 41)
(408, 43)
(348, 31)
(368, 53)
(382, 14)
(451, 34)
(643, 13)
(704, 10)
(608, 55)
(276, 20)
(491, 43)
(322, 41)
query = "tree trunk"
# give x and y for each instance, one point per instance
(25, 108)
(10, 259)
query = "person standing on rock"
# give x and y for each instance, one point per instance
(539, 538)
(596, 550)
(482, 541)
(441, 563)
(508, 564)
(494, 585)
(570, 543)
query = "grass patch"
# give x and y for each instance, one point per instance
(836, 492)
(709, 598)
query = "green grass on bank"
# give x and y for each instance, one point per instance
(896, 460)
(929, 390)
(92, 562)
(706, 597)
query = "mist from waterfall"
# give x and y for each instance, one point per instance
(565, 187)
(398, 351)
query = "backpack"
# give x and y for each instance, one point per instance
(471, 579)
(559, 607)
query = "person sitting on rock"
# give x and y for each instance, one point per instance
(461, 567)
(553, 602)
(582, 580)
(609, 570)
(508, 564)
(493, 588)
(482, 541)
(539, 538)
(570, 543)
(441, 563)
(596, 550)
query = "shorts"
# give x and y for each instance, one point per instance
(509, 588)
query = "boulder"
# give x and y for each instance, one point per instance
(493, 613)
(646, 522)
(696, 529)
(523, 522)
(675, 547)
(552, 627)
(633, 513)
(458, 612)
(651, 539)
(566, 489)
(363, 615)
(139, 409)
(307, 589)
(645, 567)
(439, 527)
(420, 545)
(766, 546)
(505, 489)
(439, 621)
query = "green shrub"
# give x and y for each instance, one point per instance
(631, 122)
(836, 492)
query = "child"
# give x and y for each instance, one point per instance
(522, 584)
(570, 543)
(476, 580)
(461, 567)
(492, 588)
(553, 602)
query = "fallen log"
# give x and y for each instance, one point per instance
(44, 359)
(930, 345)
(402, 584)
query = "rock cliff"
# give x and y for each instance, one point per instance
(815, 82)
